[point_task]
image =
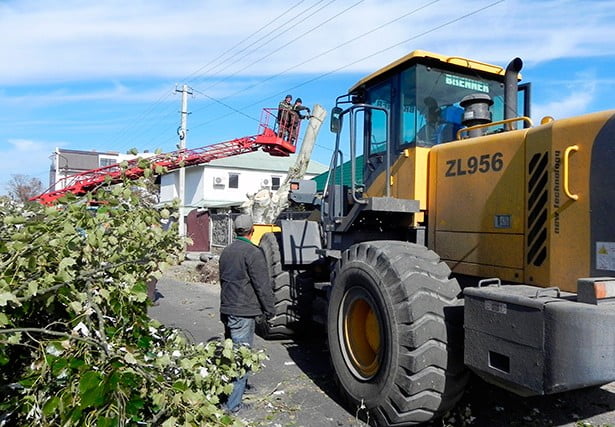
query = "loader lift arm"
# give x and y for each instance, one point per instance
(85, 182)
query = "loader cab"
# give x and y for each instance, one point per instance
(418, 105)
(423, 95)
(387, 124)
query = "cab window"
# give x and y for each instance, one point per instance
(431, 113)
(376, 131)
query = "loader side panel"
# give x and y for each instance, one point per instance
(569, 192)
(538, 209)
(477, 204)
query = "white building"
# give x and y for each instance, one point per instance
(213, 188)
(224, 183)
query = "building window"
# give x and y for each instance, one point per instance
(233, 180)
(102, 162)
(275, 182)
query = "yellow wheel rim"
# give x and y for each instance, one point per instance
(361, 328)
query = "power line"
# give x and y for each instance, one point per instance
(140, 119)
(424, 33)
(281, 47)
(335, 48)
(286, 44)
(141, 116)
(260, 101)
(196, 72)
(147, 126)
(226, 105)
(274, 33)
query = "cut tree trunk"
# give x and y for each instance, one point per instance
(265, 206)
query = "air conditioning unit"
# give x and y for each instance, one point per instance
(265, 182)
(219, 181)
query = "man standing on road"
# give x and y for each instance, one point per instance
(245, 294)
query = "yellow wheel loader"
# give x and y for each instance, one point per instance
(452, 235)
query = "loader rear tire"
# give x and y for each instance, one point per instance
(395, 328)
(291, 292)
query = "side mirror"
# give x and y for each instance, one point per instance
(336, 119)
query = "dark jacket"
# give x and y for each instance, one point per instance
(297, 109)
(284, 111)
(244, 279)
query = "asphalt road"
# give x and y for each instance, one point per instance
(296, 387)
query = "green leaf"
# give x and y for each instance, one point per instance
(129, 379)
(75, 415)
(144, 342)
(113, 381)
(226, 420)
(10, 220)
(193, 398)
(228, 349)
(180, 385)
(134, 405)
(5, 297)
(29, 381)
(76, 306)
(14, 338)
(51, 405)
(65, 263)
(58, 365)
(4, 320)
(140, 291)
(92, 395)
(76, 363)
(106, 421)
(158, 399)
(32, 288)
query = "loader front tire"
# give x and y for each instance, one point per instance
(395, 332)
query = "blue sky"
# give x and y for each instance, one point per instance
(102, 75)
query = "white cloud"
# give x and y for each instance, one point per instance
(82, 40)
(25, 145)
(66, 94)
(569, 98)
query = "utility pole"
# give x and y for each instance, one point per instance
(182, 132)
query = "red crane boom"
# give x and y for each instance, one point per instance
(275, 143)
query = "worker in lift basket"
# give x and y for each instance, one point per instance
(296, 117)
(284, 112)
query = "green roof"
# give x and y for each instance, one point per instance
(321, 180)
